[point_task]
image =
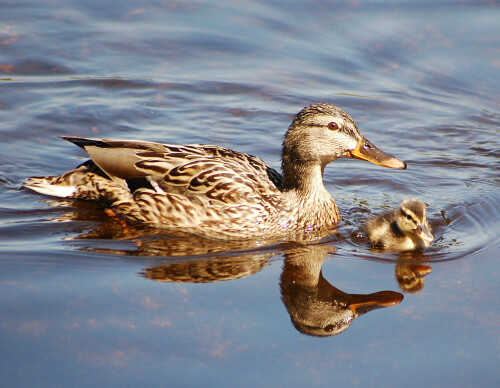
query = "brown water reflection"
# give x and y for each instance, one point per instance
(315, 306)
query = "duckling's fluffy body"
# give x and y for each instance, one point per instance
(402, 229)
(217, 192)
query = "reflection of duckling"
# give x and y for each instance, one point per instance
(411, 276)
(403, 229)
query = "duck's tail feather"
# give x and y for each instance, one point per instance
(50, 185)
(85, 142)
(79, 183)
(87, 181)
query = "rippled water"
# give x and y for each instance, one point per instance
(88, 299)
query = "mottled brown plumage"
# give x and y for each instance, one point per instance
(217, 192)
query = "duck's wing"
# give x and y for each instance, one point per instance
(198, 171)
(117, 158)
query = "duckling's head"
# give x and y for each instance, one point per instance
(321, 133)
(412, 220)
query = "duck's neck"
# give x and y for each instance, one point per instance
(304, 188)
(303, 178)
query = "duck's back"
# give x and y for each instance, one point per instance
(208, 173)
(383, 231)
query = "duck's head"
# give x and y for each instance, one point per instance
(321, 133)
(412, 219)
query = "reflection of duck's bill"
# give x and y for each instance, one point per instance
(361, 304)
(424, 234)
(421, 270)
(365, 150)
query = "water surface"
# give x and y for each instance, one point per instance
(88, 299)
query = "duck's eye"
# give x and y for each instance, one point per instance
(408, 217)
(333, 126)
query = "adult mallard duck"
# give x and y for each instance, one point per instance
(217, 192)
(402, 229)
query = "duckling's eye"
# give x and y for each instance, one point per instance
(408, 217)
(333, 126)
(329, 328)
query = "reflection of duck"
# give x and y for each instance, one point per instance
(217, 192)
(403, 229)
(208, 270)
(411, 276)
(315, 306)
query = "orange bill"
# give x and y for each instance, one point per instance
(365, 150)
(421, 270)
(361, 304)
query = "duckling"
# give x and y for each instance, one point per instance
(403, 229)
(216, 192)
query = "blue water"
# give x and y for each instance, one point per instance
(79, 305)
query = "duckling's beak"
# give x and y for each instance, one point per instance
(424, 233)
(360, 304)
(421, 270)
(365, 150)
